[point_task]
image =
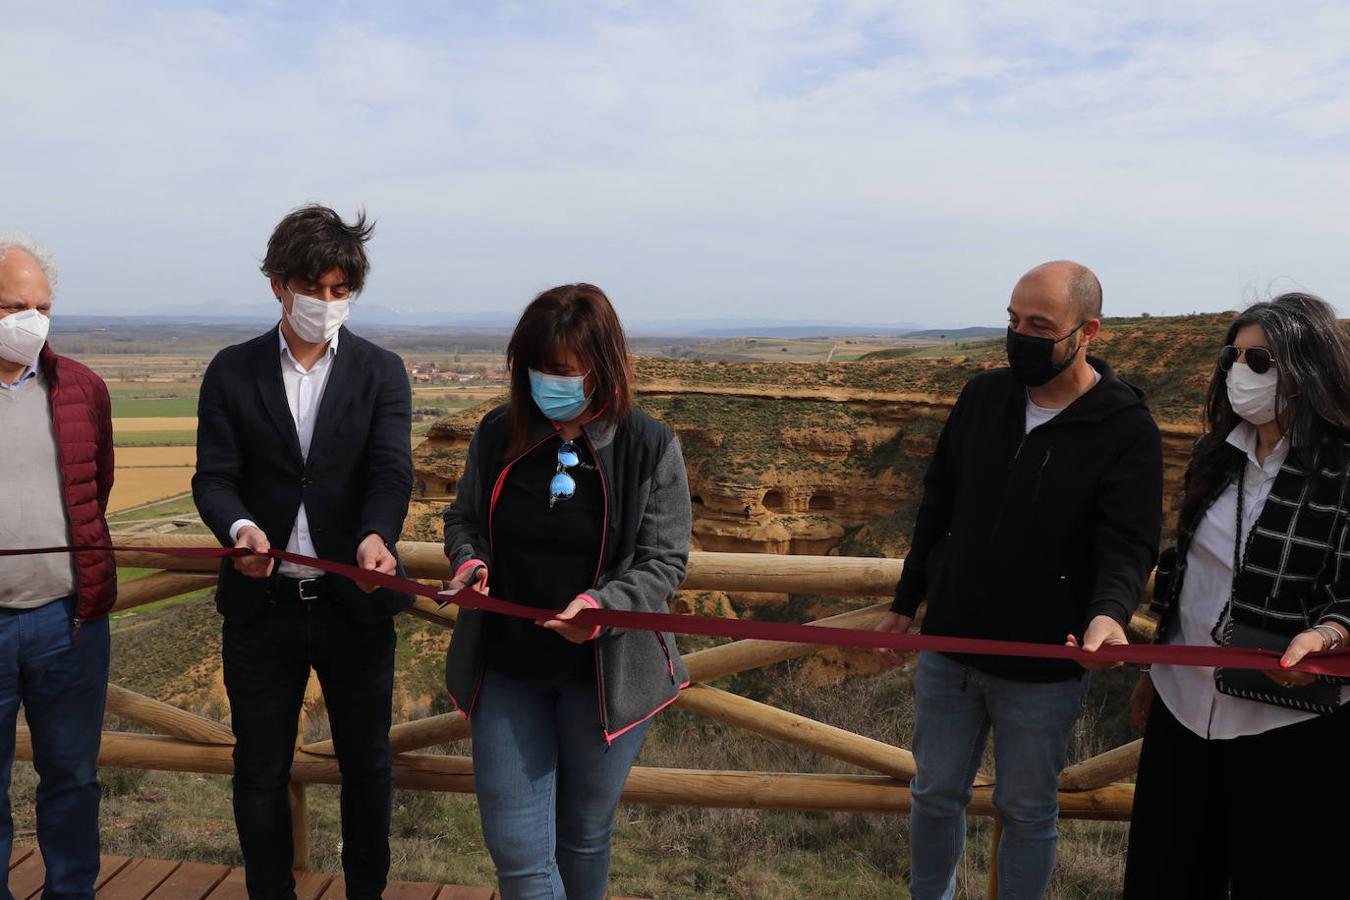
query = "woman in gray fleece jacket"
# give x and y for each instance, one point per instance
(570, 499)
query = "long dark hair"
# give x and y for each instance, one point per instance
(1312, 357)
(579, 318)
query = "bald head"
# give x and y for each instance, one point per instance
(1072, 283)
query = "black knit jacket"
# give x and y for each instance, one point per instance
(1297, 567)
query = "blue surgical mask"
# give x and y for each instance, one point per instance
(559, 397)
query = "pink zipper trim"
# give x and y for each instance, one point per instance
(609, 738)
(492, 545)
(501, 482)
(604, 491)
(459, 707)
(599, 567)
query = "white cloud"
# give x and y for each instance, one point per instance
(864, 161)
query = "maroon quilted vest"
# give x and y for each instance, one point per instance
(82, 421)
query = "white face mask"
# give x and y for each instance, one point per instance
(22, 335)
(1252, 395)
(316, 321)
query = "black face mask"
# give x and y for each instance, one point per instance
(1032, 359)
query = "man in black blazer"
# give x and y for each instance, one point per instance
(304, 442)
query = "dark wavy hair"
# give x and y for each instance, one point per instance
(579, 318)
(313, 239)
(1312, 356)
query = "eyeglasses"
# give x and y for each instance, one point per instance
(1258, 359)
(564, 486)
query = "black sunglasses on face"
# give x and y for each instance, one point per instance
(1258, 359)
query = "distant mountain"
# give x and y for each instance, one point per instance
(372, 317)
(958, 334)
(779, 328)
(366, 318)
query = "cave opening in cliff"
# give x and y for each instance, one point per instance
(773, 500)
(821, 501)
(696, 500)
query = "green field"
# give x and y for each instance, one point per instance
(143, 407)
(150, 392)
(155, 439)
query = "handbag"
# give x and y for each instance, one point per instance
(1319, 697)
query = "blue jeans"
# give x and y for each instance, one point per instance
(63, 685)
(547, 785)
(955, 706)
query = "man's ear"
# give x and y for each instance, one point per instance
(1090, 329)
(277, 288)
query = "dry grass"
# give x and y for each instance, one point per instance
(139, 457)
(132, 487)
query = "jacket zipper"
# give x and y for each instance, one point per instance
(54, 392)
(599, 567)
(492, 542)
(1008, 484)
(1040, 473)
(497, 488)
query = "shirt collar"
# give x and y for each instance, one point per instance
(1244, 437)
(30, 372)
(286, 350)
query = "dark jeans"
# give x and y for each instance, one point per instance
(1258, 816)
(63, 685)
(267, 661)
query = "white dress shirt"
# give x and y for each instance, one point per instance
(304, 394)
(1189, 691)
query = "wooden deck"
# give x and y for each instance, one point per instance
(121, 878)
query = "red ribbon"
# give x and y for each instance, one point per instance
(1335, 663)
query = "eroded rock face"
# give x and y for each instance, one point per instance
(765, 476)
(820, 458)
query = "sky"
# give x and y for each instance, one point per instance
(844, 162)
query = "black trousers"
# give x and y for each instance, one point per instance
(1262, 816)
(267, 661)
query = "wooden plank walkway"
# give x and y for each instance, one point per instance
(120, 878)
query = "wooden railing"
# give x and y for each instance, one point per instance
(187, 742)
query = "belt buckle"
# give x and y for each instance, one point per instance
(304, 583)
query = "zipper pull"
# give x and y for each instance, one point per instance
(75, 634)
(1012, 463)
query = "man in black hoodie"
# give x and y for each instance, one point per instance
(1040, 521)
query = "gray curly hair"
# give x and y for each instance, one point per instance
(20, 240)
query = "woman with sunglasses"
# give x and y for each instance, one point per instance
(1239, 769)
(571, 498)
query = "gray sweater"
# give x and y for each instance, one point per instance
(32, 504)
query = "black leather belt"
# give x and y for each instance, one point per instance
(287, 588)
